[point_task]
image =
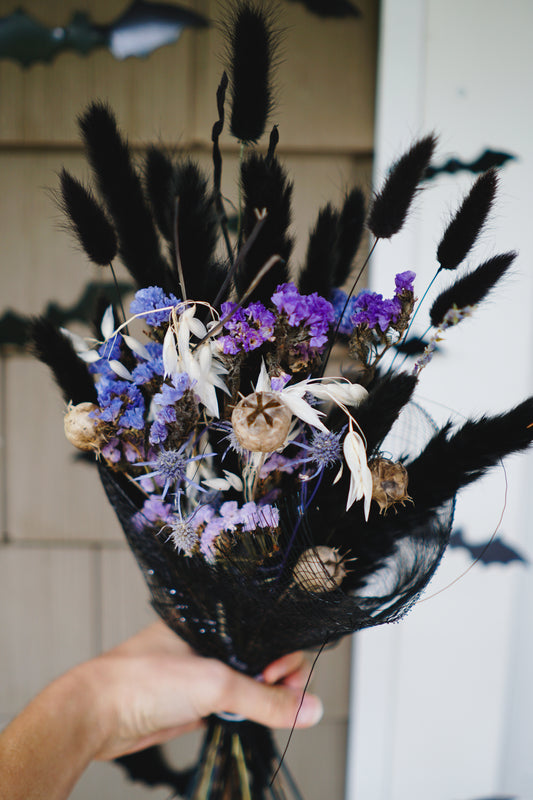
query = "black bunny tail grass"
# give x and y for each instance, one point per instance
(471, 289)
(252, 53)
(378, 413)
(160, 189)
(197, 227)
(49, 345)
(390, 206)
(462, 232)
(453, 460)
(322, 254)
(350, 229)
(87, 220)
(265, 186)
(121, 188)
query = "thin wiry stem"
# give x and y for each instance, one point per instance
(258, 278)
(336, 331)
(243, 252)
(179, 265)
(430, 284)
(124, 318)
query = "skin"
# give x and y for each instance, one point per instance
(149, 689)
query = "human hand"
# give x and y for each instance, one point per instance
(154, 687)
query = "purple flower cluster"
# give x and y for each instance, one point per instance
(121, 404)
(309, 310)
(111, 350)
(372, 310)
(230, 518)
(338, 301)
(248, 327)
(154, 512)
(145, 371)
(152, 299)
(164, 405)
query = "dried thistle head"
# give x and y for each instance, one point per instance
(389, 483)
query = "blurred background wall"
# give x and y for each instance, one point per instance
(442, 706)
(68, 585)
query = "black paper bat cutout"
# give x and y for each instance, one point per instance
(14, 327)
(491, 552)
(140, 30)
(330, 8)
(487, 160)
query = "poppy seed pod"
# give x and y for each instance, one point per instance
(389, 483)
(261, 422)
(319, 569)
(81, 429)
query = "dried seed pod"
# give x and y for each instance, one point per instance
(261, 422)
(389, 483)
(319, 569)
(82, 430)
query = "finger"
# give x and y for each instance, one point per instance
(298, 679)
(283, 667)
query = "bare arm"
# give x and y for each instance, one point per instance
(148, 690)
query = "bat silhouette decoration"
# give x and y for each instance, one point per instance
(489, 159)
(138, 31)
(495, 551)
(331, 8)
(14, 327)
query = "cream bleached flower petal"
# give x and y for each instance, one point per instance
(343, 392)
(107, 326)
(170, 355)
(360, 475)
(120, 370)
(136, 347)
(293, 397)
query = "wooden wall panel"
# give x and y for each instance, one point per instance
(47, 621)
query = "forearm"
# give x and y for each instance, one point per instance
(45, 750)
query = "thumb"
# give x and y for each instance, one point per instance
(274, 706)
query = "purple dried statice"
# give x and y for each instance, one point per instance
(248, 328)
(372, 310)
(311, 310)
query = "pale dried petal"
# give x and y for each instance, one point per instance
(120, 369)
(107, 326)
(170, 355)
(136, 347)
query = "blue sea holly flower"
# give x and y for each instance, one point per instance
(171, 465)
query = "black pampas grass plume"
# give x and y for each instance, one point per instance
(471, 289)
(462, 232)
(265, 186)
(322, 254)
(350, 230)
(87, 220)
(252, 45)
(391, 205)
(120, 186)
(453, 460)
(159, 185)
(49, 345)
(197, 227)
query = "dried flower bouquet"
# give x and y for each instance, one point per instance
(256, 493)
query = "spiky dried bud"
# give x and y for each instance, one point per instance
(261, 422)
(81, 429)
(319, 569)
(389, 483)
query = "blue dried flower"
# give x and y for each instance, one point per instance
(153, 298)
